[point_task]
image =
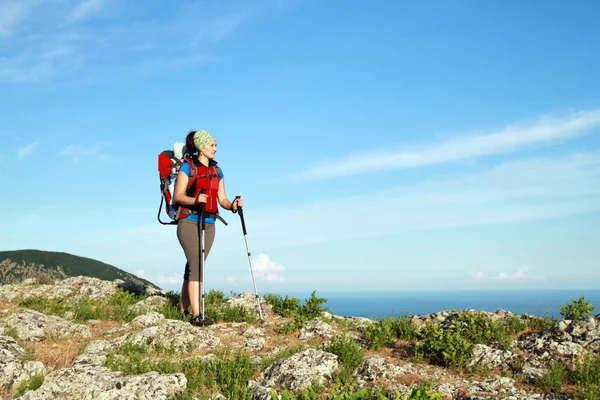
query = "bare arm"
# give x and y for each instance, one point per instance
(224, 201)
(181, 197)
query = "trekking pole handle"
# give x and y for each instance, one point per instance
(241, 212)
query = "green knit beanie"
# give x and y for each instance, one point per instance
(203, 138)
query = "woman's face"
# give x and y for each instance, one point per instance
(210, 150)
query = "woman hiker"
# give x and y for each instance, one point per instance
(199, 187)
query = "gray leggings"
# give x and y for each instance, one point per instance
(189, 238)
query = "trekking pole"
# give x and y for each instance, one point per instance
(241, 212)
(202, 253)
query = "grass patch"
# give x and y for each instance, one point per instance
(30, 384)
(385, 331)
(114, 308)
(554, 379)
(280, 355)
(226, 373)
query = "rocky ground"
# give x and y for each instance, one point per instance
(71, 355)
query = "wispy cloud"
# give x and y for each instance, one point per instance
(140, 273)
(522, 274)
(525, 190)
(172, 279)
(265, 268)
(512, 138)
(475, 275)
(76, 152)
(85, 10)
(13, 13)
(25, 151)
(62, 38)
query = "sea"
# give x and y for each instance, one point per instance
(540, 303)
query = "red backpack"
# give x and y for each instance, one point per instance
(168, 167)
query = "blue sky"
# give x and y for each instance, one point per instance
(388, 145)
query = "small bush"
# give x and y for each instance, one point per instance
(228, 374)
(232, 314)
(554, 379)
(380, 334)
(280, 355)
(30, 384)
(290, 307)
(214, 298)
(423, 393)
(285, 307)
(586, 375)
(169, 310)
(404, 328)
(577, 310)
(444, 347)
(540, 324)
(350, 353)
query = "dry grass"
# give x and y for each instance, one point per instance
(55, 355)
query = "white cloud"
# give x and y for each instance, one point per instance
(172, 279)
(475, 275)
(511, 138)
(77, 152)
(263, 267)
(25, 151)
(85, 9)
(525, 190)
(520, 275)
(57, 45)
(140, 273)
(12, 13)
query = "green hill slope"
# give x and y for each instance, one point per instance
(18, 265)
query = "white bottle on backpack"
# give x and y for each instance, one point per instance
(178, 153)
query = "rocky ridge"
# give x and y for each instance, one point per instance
(86, 377)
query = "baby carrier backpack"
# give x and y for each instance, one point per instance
(169, 162)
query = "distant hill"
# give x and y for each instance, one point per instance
(18, 265)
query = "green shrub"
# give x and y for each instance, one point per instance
(385, 331)
(478, 328)
(554, 379)
(540, 324)
(350, 353)
(57, 306)
(227, 374)
(423, 393)
(586, 375)
(348, 393)
(228, 313)
(380, 334)
(290, 307)
(446, 347)
(313, 307)
(169, 310)
(214, 298)
(588, 393)
(280, 355)
(577, 310)
(283, 306)
(30, 384)
(404, 328)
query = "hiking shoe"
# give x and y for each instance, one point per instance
(198, 320)
(184, 315)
